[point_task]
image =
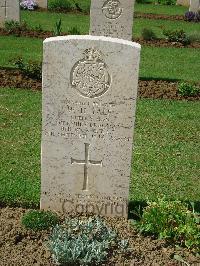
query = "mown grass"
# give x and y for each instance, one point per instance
(164, 63)
(47, 21)
(160, 9)
(166, 157)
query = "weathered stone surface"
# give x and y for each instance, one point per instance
(183, 3)
(89, 97)
(9, 10)
(42, 3)
(112, 18)
(194, 5)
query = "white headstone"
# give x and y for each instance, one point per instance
(89, 98)
(183, 3)
(42, 3)
(9, 10)
(194, 5)
(112, 18)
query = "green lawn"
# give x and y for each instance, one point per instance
(160, 9)
(166, 63)
(166, 158)
(48, 20)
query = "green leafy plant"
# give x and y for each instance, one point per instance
(177, 36)
(39, 220)
(166, 2)
(194, 36)
(188, 89)
(38, 28)
(74, 31)
(32, 69)
(14, 27)
(83, 242)
(58, 28)
(60, 5)
(148, 34)
(171, 220)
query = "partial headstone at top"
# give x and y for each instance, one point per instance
(112, 18)
(9, 10)
(89, 99)
(42, 3)
(183, 3)
(194, 5)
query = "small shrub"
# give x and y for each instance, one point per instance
(15, 27)
(39, 220)
(166, 2)
(58, 28)
(177, 36)
(194, 37)
(148, 34)
(32, 69)
(171, 220)
(29, 5)
(60, 5)
(83, 242)
(188, 89)
(192, 16)
(74, 31)
(38, 28)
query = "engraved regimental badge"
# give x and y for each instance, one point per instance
(112, 9)
(89, 76)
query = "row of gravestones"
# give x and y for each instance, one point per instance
(89, 100)
(10, 10)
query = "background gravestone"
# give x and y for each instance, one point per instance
(89, 97)
(183, 2)
(112, 18)
(9, 10)
(42, 3)
(194, 5)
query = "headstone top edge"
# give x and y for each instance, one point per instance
(93, 38)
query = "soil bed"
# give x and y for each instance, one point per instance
(47, 34)
(154, 89)
(24, 247)
(158, 16)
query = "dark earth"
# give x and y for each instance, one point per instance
(154, 89)
(21, 247)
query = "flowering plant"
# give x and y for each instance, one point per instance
(192, 16)
(29, 4)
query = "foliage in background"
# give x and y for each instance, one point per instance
(84, 242)
(60, 5)
(14, 27)
(171, 220)
(29, 5)
(74, 31)
(69, 5)
(39, 220)
(58, 28)
(188, 89)
(32, 69)
(166, 2)
(148, 34)
(192, 16)
(194, 37)
(177, 36)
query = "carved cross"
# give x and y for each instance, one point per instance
(6, 7)
(87, 162)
